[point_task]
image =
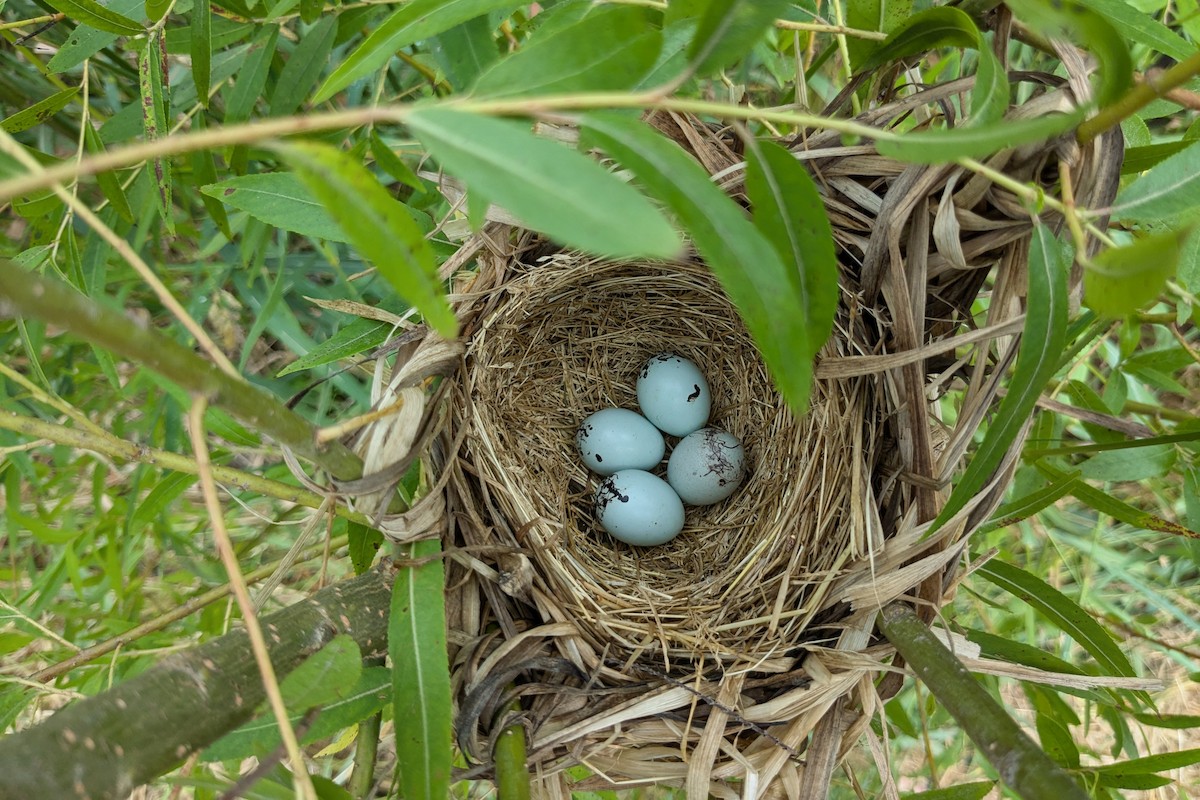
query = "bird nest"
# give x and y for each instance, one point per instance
(743, 654)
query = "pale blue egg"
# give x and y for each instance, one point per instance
(639, 508)
(673, 394)
(616, 438)
(706, 466)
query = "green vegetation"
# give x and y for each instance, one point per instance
(213, 215)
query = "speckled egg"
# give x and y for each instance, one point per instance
(639, 508)
(707, 466)
(615, 439)
(673, 394)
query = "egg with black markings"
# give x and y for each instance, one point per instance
(673, 394)
(638, 508)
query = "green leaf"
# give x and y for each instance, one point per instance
(963, 791)
(39, 112)
(1121, 280)
(1118, 509)
(393, 165)
(328, 675)
(155, 96)
(729, 29)
(922, 32)
(1041, 348)
(157, 9)
(1143, 28)
(359, 336)
(884, 16)
(788, 210)
(1170, 188)
(163, 494)
(280, 199)
(547, 186)
(85, 41)
(261, 735)
(1062, 612)
(466, 51)
(1057, 741)
(766, 293)
(993, 646)
(421, 676)
(413, 22)
(1177, 722)
(310, 10)
(200, 48)
(379, 226)
(1026, 506)
(108, 181)
(364, 544)
(89, 12)
(1140, 159)
(303, 67)
(1159, 763)
(1077, 21)
(608, 50)
(1141, 781)
(252, 77)
(204, 172)
(1153, 461)
(975, 141)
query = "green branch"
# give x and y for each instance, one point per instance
(1022, 765)
(26, 294)
(1138, 97)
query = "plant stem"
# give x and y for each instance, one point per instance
(366, 748)
(185, 609)
(511, 760)
(104, 746)
(1022, 765)
(1138, 97)
(109, 445)
(26, 294)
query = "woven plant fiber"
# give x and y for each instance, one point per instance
(741, 659)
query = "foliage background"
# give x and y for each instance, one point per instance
(255, 248)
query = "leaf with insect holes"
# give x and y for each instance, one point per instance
(412, 22)
(548, 186)
(767, 294)
(421, 675)
(377, 224)
(789, 211)
(39, 112)
(1041, 349)
(728, 29)
(89, 12)
(1121, 280)
(155, 97)
(608, 50)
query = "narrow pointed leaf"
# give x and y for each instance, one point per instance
(85, 41)
(466, 51)
(252, 77)
(1121, 280)
(1144, 28)
(357, 337)
(299, 75)
(1169, 189)
(963, 791)
(1159, 763)
(328, 675)
(393, 165)
(200, 47)
(89, 12)
(421, 676)
(1119, 509)
(729, 29)
(608, 50)
(413, 22)
(155, 96)
(39, 112)
(976, 141)
(280, 199)
(204, 172)
(884, 16)
(766, 293)
(1041, 349)
(1062, 612)
(549, 187)
(377, 224)
(788, 210)
(928, 30)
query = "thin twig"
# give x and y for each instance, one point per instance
(258, 643)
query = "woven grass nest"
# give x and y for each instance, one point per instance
(741, 659)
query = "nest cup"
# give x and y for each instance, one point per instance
(568, 339)
(741, 658)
